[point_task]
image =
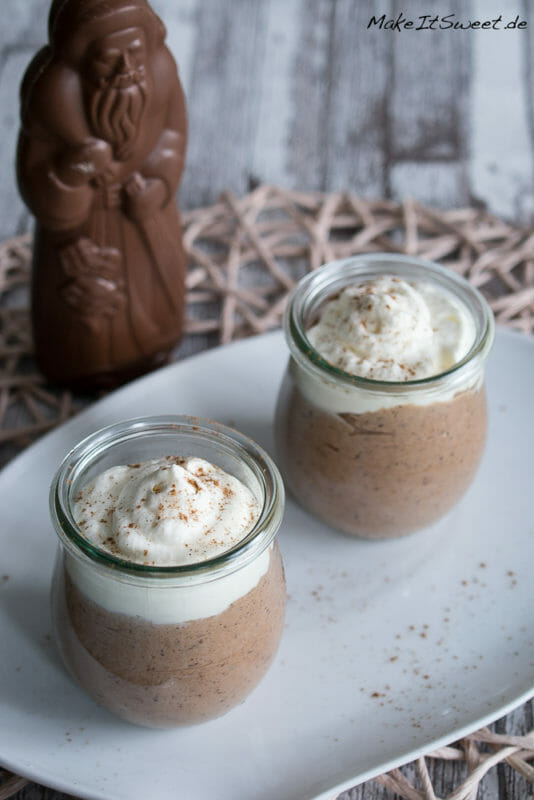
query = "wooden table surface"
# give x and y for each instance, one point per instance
(311, 94)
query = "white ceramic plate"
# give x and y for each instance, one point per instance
(390, 648)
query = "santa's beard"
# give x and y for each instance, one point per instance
(115, 114)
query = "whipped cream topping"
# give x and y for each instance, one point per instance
(166, 511)
(389, 329)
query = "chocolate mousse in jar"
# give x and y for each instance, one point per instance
(168, 594)
(381, 419)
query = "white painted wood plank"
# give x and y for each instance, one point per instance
(223, 99)
(309, 92)
(181, 20)
(500, 144)
(429, 83)
(356, 113)
(271, 149)
(22, 32)
(13, 215)
(442, 184)
(528, 78)
(23, 23)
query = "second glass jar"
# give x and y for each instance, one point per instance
(379, 459)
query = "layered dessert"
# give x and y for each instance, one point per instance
(176, 648)
(381, 423)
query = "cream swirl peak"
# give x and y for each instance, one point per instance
(390, 329)
(166, 511)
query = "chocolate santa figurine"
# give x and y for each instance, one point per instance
(101, 151)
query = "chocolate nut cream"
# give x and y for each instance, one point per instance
(182, 615)
(381, 417)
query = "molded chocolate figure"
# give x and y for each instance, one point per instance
(101, 152)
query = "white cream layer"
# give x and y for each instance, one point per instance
(163, 603)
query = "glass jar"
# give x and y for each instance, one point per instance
(375, 458)
(164, 646)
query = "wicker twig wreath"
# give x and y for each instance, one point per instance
(246, 253)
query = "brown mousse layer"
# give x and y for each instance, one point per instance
(163, 675)
(383, 473)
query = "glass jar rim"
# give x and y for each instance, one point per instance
(335, 275)
(232, 441)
